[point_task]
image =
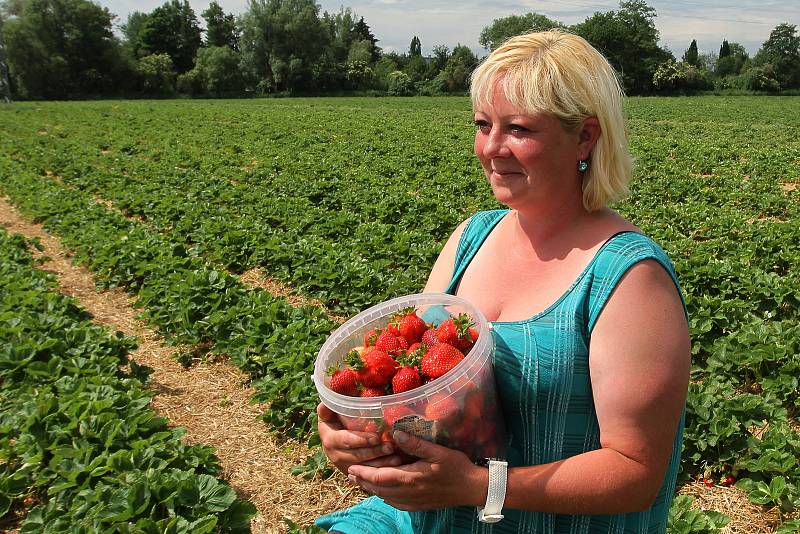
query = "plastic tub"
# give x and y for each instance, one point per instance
(459, 410)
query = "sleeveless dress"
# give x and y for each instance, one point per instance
(541, 367)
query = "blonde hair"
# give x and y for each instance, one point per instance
(561, 74)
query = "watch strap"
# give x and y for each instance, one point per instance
(491, 512)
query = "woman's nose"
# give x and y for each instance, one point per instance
(495, 145)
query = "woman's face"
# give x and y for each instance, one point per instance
(528, 159)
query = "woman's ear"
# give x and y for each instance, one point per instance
(588, 135)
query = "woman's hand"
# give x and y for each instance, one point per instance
(346, 447)
(441, 478)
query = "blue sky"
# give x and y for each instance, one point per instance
(451, 22)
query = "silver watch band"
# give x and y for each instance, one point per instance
(491, 512)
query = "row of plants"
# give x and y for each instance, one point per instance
(349, 201)
(80, 449)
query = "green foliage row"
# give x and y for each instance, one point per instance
(79, 444)
(349, 201)
(187, 300)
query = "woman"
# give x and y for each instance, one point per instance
(592, 347)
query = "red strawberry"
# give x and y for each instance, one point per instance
(392, 413)
(465, 343)
(370, 337)
(344, 381)
(372, 392)
(375, 369)
(429, 337)
(439, 359)
(410, 325)
(388, 342)
(441, 408)
(452, 330)
(405, 379)
(473, 407)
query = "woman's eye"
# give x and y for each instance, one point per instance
(482, 125)
(516, 128)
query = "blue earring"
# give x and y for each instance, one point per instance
(583, 165)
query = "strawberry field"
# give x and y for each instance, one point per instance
(348, 202)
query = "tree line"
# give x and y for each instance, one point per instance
(58, 49)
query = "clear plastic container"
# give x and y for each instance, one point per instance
(459, 410)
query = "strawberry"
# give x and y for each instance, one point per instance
(429, 337)
(372, 392)
(375, 368)
(441, 407)
(473, 407)
(409, 325)
(388, 342)
(405, 379)
(439, 359)
(392, 413)
(344, 381)
(465, 343)
(370, 337)
(452, 330)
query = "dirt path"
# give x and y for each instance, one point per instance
(209, 400)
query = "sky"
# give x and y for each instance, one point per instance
(452, 22)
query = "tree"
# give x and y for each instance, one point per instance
(455, 76)
(415, 49)
(158, 74)
(629, 39)
(217, 70)
(440, 56)
(734, 60)
(690, 56)
(724, 49)
(782, 51)
(172, 29)
(362, 32)
(60, 48)
(504, 28)
(220, 27)
(5, 84)
(132, 30)
(277, 45)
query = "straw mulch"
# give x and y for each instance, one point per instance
(210, 400)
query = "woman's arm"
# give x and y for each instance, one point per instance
(639, 363)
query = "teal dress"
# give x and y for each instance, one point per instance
(542, 372)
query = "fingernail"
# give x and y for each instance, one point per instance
(373, 440)
(400, 437)
(351, 479)
(387, 448)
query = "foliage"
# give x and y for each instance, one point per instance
(221, 27)
(690, 56)
(672, 76)
(157, 74)
(415, 48)
(629, 40)
(275, 43)
(60, 48)
(78, 439)
(683, 519)
(218, 71)
(171, 29)
(399, 84)
(504, 28)
(782, 51)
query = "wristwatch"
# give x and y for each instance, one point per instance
(491, 512)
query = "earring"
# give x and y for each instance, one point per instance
(583, 165)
